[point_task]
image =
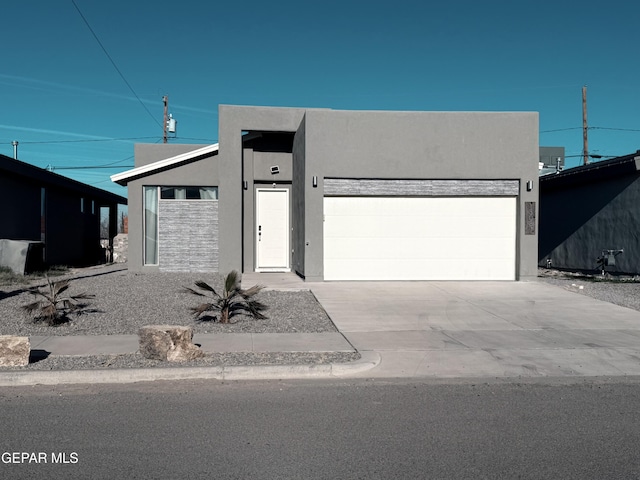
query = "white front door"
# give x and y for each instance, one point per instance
(272, 229)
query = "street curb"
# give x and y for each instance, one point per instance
(367, 361)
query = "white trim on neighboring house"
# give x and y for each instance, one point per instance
(124, 177)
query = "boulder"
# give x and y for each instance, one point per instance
(171, 343)
(14, 351)
(120, 248)
(21, 256)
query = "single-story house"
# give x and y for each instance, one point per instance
(591, 209)
(61, 213)
(342, 195)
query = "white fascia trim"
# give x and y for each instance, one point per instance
(124, 177)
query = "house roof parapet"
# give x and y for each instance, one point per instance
(593, 172)
(47, 178)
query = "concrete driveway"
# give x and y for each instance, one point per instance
(483, 329)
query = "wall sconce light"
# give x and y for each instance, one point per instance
(315, 181)
(275, 169)
(529, 185)
(245, 184)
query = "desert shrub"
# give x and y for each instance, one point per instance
(52, 307)
(231, 302)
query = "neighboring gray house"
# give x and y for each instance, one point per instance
(588, 209)
(342, 195)
(42, 206)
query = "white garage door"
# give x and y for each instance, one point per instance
(424, 238)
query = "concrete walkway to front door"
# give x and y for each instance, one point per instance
(483, 329)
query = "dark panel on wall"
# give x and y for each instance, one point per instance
(529, 218)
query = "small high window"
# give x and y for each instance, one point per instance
(189, 193)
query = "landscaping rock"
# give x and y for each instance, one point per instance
(14, 351)
(171, 343)
(120, 248)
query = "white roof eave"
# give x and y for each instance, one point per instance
(124, 177)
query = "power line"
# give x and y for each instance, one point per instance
(198, 139)
(89, 167)
(103, 140)
(617, 129)
(114, 63)
(591, 128)
(561, 129)
(106, 165)
(85, 141)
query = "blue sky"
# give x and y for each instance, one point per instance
(68, 106)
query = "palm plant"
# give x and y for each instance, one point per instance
(233, 300)
(51, 306)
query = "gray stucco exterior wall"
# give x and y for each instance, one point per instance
(257, 172)
(146, 153)
(232, 122)
(193, 174)
(424, 145)
(328, 144)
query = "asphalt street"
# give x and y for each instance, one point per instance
(369, 429)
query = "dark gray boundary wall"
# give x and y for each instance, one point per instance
(377, 145)
(588, 209)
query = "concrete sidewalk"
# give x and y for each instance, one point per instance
(218, 342)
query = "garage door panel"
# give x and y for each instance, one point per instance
(393, 238)
(419, 225)
(429, 269)
(374, 248)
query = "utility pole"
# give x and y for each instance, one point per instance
(585, 128)
(165, 100)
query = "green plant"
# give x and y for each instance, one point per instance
(233, 300)
(51, 306)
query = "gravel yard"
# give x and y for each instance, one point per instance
(623, 291)
(125, 301)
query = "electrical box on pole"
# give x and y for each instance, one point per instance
(169, 124)
(165, 101)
